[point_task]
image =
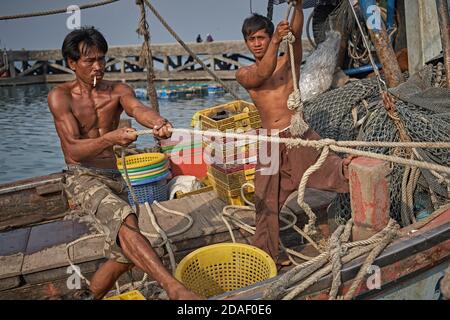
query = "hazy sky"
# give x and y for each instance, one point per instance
(118, 21)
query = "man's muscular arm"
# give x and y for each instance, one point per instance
(143, 114)
(75, 148)
(254, 76)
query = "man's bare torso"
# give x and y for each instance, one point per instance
(271, 97)
(96, 113)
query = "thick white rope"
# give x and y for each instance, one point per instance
(337, 146)
(298, 125)
(310, 227)
(163, 236)
(298, 142)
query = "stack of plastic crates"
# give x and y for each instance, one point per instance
(231, 162)
(148, 174)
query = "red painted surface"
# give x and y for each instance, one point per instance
(369, 196)
(188, 162)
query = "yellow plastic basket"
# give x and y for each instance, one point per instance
(141, 160)
(131, 295)
(223, 267)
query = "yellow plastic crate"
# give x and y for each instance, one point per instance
(244, 116)
(181, 194)
(229, 153)
(131, 295)
(233, 180)
(218, 268)
(233, 196)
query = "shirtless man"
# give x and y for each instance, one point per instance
(86, 112)
(269, 83)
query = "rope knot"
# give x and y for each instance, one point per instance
(295, 100)
(325, 143)
(289, 38)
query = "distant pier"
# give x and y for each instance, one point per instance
(172, 63)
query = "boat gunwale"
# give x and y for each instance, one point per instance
(400, 249)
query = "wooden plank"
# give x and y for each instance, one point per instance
(126, 76)
(111, 62)
(11, 265)
(131, 62)
(9, 283)
(36, 66)
(61, 68)
(54, 233)
(12, 69)
(423, 33)
(56, 274)
(169, 49)
(44, 286)
(228, 60)
(122, 53)
(15, 241)
(22, 185)
(49, 258)
(22, 205)
(49, 188)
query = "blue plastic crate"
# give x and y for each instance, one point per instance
(150, 192)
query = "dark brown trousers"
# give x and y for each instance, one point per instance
(271, 191)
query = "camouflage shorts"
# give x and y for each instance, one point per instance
(103, 195)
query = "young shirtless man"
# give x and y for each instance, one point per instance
(269, 83)
(86, 112)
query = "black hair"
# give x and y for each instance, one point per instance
(257, 22)
(89, 37)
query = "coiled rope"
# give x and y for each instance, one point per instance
(303, 276)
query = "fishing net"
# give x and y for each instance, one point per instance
(356, 112)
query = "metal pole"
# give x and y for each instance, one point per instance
(442, 7)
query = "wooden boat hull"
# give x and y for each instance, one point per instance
(34, 261)
(409, 268)
(31, 201)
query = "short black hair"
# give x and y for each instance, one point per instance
(257, 22)
(89, 36)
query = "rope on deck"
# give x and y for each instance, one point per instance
(325, 145)
(55, 11)
(303, 276)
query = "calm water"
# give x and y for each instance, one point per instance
(29, 143)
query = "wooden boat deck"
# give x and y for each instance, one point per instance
(37, 254)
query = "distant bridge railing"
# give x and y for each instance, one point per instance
(171, 63)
